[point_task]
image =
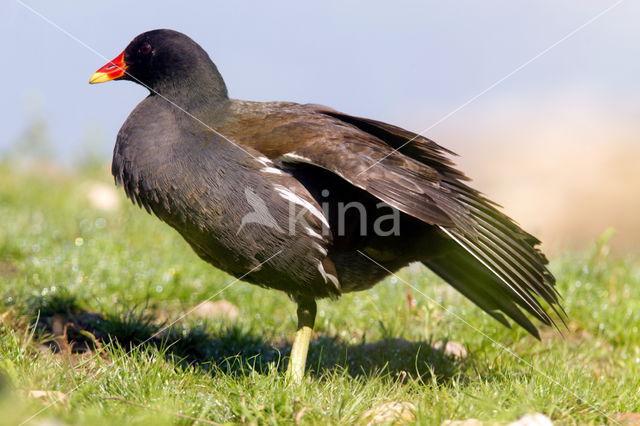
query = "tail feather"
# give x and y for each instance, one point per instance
(467, 275)
(487, 273)
(514, 286)
(483, 253)
(501, 231)
(514, 254)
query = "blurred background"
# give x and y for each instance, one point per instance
(540, 98)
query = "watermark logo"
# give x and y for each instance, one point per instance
(347, 218)
(260, 213)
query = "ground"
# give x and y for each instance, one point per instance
(89, 282)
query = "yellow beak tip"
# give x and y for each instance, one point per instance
(99, 77)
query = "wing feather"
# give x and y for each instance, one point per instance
(491, 240)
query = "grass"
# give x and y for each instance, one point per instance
(83, 292)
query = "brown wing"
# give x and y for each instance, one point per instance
(497, 243)
(415, 175)
(299, 133)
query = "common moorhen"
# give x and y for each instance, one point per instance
(309, 200)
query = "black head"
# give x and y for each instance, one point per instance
(165, 61)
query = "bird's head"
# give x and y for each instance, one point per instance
(163, 60)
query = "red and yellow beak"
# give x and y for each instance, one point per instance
(111, 71)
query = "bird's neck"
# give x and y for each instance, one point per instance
(199, 93)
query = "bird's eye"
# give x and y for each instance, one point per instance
(145, 49)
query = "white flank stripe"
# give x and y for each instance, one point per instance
(264, 160)
(328, 277)
(296, 157)
(271, 170)
(314, 233)
(291, 196)
(320, 248)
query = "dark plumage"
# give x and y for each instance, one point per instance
(224, 173)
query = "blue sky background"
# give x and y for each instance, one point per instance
(556, 141)
(407, 62)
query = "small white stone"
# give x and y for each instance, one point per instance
(536, 419)
(467, 422)
(396, 413)
(454, 349)
(103, 197)
(48, 395)
(217, 309)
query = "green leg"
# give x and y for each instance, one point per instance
(298, 358)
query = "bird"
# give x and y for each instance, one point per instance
(311, 201)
